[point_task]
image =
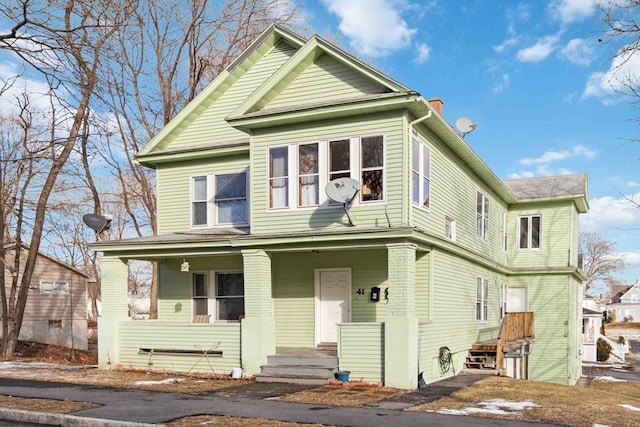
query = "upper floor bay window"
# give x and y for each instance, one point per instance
(529, 228)
(219, 199)
(482, 216)
(421, 173)
(310, 166)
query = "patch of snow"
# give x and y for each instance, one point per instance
(493, 406)
(28, 365)
(629, 407)
(611, 379)
(167, 381)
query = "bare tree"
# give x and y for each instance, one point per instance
(600, 259)
(62, 40)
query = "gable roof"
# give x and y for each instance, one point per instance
(551, 188)
(12, 246)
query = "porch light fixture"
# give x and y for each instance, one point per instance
(184, 267)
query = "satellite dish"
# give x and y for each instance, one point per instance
(343, 190)
(97, 223)
(465, 126)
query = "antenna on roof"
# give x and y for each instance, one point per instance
(465, 126)
(343, 190)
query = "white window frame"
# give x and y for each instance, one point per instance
(504, 241)
(199, 297)
(54, 287)
(482, 299)
(195, 201)
(212, 298)
(503, 300)
(286, 178)
(529, 243)
(295, 174)
(215, 299)
(482, 215)
(450, 228)
(418, 194)
(212, 202)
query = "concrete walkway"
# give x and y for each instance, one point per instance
(120, 407)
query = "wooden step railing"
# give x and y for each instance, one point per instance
(516, 331)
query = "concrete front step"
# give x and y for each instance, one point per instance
(308, 380)
(324, 361)
(299, 370)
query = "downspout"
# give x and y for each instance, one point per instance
(410, 150)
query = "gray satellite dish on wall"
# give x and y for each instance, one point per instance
(465, 126)
(96, 222)
(343, 190)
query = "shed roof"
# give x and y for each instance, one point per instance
(550, 188)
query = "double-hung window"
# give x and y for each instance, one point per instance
(223, 299)
(529, 231)
(372, 168)
(308, 175)
(278, 177)
(54, 287)
(421, 173)
(504, 231)
(482, 216)
(482, 299)
(219, 199)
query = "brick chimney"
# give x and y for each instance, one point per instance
(437, 104)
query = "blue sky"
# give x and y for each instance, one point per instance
(532, 75)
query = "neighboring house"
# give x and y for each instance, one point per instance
(56, 309)
(591, 327)
(626, 304)
(426, 260)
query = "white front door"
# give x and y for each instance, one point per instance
(517, 300)
(333, 300)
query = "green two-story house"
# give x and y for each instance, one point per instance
(427, 255)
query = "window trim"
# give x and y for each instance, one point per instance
(422, 148)
(482, 216)
(211, 297)
(504, 236)
(450, 228)
(323, 173)
(215, 299)
(482, 300)
(286, 177)
(212, 203)
(55, 285)
(529, 233)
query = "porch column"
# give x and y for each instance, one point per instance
(115, 308)
(258, 335)
(401, 324)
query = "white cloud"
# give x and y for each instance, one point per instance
(569, 11)
(513, 41)
(577, 51)
(604, 85)
(607, 213)
(539, 51)
(422, 53)
(554, 156)
(633, 184)
(376, 31)
(502, 84)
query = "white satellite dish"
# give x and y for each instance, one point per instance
(343, 190)
(465, 126)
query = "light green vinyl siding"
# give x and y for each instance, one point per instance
(174, 188)
(174, 290)
(324, 80)
(554, 309)
(557, 236)
(210, 126)
(453, 193)
(423, 286)
(454, 324)
(158, 335)
(294, 290)
(361, 350)
(299, 219)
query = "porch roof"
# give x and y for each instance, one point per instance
(232, 240)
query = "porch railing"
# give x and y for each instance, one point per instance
(516, 331)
